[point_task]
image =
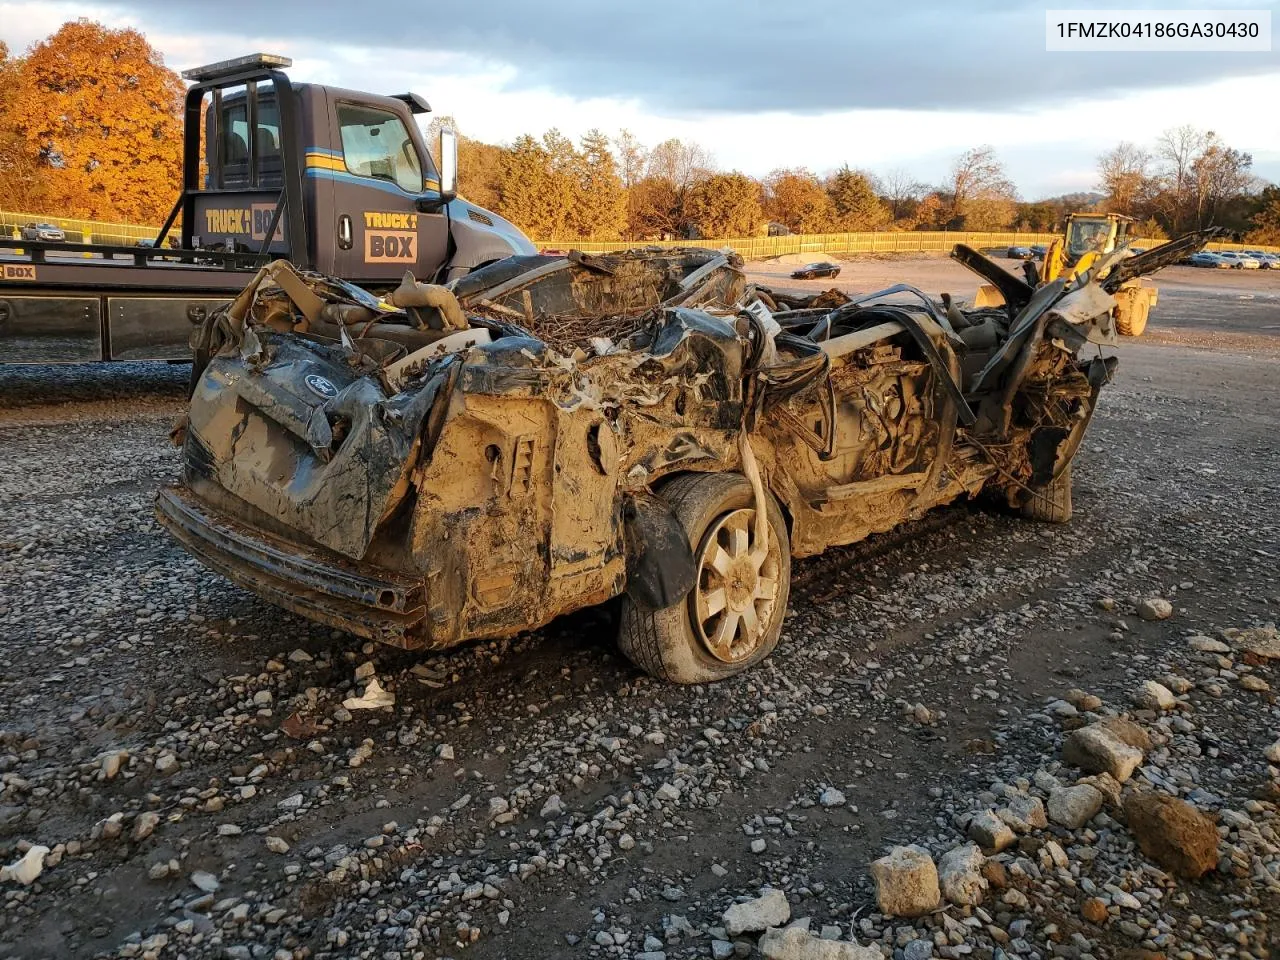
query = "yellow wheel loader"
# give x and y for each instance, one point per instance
(1088, 236)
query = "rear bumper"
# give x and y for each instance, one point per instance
(371, 603)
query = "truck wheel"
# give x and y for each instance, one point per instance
(732, 618)
(1131, 316)
(1050, 503)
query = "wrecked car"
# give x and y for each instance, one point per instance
(551, 432)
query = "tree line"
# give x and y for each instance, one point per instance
(91, 126)
(1188, 179)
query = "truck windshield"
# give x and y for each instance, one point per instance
(376, 144)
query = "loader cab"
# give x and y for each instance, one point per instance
(1099, 233)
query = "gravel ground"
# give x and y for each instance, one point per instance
(182, 750)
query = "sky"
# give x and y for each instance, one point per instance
(878, 86)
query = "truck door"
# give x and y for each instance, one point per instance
(380, 169)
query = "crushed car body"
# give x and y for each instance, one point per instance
(547, 433)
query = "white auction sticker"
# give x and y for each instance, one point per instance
(1142, 31)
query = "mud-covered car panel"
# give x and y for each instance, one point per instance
(496, 452)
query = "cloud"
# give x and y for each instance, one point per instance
(729, 56)
(498, 85)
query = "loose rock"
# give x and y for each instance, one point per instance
(960, 875)
(796, 943)
(1073, 807)
(1155, 608)
(1172, 833)
(906, 882)
(770, 909)
(1096, 749)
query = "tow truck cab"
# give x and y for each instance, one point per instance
(372, 202)
(336, 181)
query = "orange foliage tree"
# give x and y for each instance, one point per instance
(94, 121)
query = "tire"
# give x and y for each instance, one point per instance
(1133, 321)
(671, 644)
(1051, 503)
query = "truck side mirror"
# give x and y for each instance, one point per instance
(448, 164)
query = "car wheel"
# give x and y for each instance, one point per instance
(1052, 502)
(732, 618)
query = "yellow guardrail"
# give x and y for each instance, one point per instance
(752, 248)
(907, 241)
(79, 231)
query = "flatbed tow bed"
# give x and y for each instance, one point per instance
(122, 303)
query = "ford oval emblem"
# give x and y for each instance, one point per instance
(320, 386)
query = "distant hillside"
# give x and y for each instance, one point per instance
(1081, 198)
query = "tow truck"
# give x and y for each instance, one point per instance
(336, 181)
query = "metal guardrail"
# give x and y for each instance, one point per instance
(907, 241)
(79, 231)
(752, 248)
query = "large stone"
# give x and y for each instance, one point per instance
(1024, 814)
(1154, 696)
(770, 909)
(1073, 807)
(1203, 644)
(906, 882)
(960, 875)
(1261, 642)
(27, 868)
(1172, 833)
(1096, 749)
(1272, 752)
(1106, 785)
(1155, 608)
(796, 943)
(990, 832)
(1126, 731)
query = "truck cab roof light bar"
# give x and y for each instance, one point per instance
(226, 68)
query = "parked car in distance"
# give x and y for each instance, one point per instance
(1239, 261)
(1266, 261)
(1039, 250)
(1206, 258)
(44, 231)
(811, 271)
(1020, 253)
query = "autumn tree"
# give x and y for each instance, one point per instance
(724, 205)
(98, 117)
(599, 206)
(530, 194)
(653, 209)
(1219, 175)
(796, 199)
(855, 205)
(1266, 224)
(682, 163)
(20, 180)
(479, 163)
(1123, 177)
(1040, 217)
(631, 156)
(1177, 149)
(981, 194)
(902, 192)
(931, 212)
